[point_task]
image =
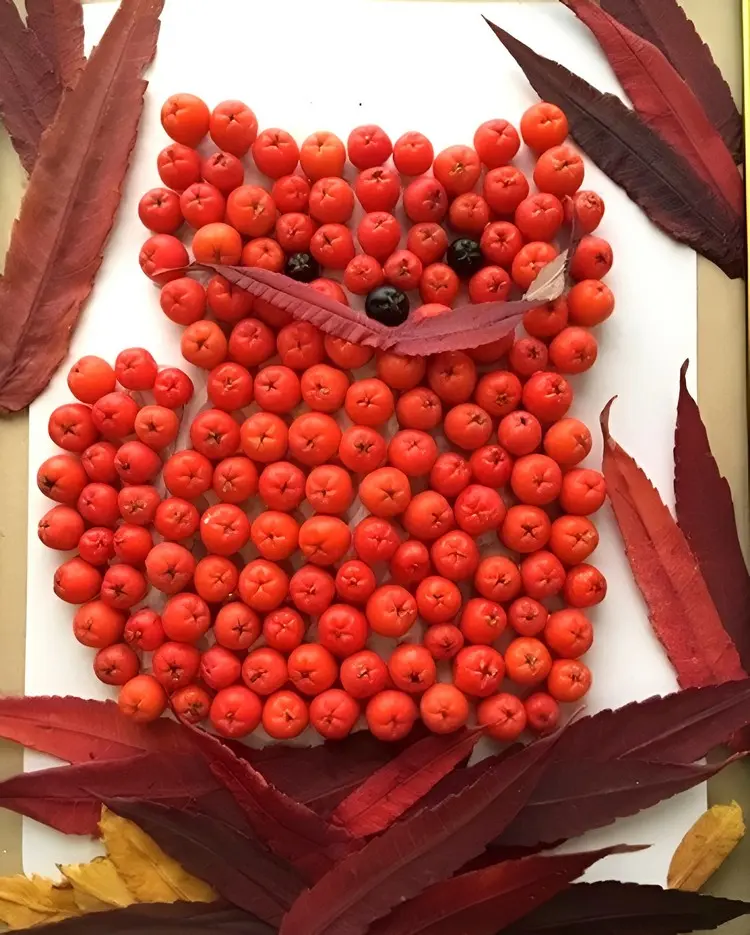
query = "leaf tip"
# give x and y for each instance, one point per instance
(604, 420)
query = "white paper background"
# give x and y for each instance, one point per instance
(435, 67)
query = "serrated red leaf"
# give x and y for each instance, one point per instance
(665, 24)
(680, 608)
(398, 785)
(421, 850)
(580, 795)
(678, 728)
(162, 919)
(80, 730)
(618, 908)
(70, 203)
(29, 88)
(464, 327)
(69, 798)
(237, 866)
(289, 828)
(654, 176)
(323, 775)
(58, 27)
(705, 514)
(485, 901)
(664, 101)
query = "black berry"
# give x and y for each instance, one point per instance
(388, 305)
(302, 267)
(465, 257)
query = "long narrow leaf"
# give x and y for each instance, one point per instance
(80, 730)
(665, 24)
(484, 901)
(633, 156)
(238, 867)
(58, 26)
(627, 909)
(29, 88)
(679, 605)
(705, 514)
(69, 798)
(395, 787)
(581, 795)
(70, 204)
(163, 919)
(664, 101)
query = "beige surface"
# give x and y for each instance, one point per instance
(722, 394)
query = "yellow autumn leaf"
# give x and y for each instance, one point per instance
(705, 847)
(149, 873)
(97, 885)
(26, 901)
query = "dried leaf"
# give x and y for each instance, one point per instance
(290, 829)
(627, 909)
(149, 873)
(27, 901)
(486, 901)
(164, 919)
(69, 797)
(576, 796)
(323, 775)
(97, 885)
(421, 850)
(79, 730)
(678, 728)
(664, 102)
(398, 785)
(70, 204)
(239, 867)
(633, 156)
(467, 326)
(58, 26)
(29, 88)
(665, 24)
(705, 847)
(680, 608)
(705, 514)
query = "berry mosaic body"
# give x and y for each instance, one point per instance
(351, 538)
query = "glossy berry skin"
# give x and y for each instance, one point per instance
(302, 267)
(465, 257)
(388, 305)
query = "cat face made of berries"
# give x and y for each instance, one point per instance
(330, 499)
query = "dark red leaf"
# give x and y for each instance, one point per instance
(576, 796)
(627, 909)
(467, 326)
(70, 798)
(58, 26)
(78, 730)
(163, 919)
(705, 514)
(486, 901)
(398, 785)
(665, 24)
(322, 776)
(664, 101)
(29, 89)
(680, 608)
(679, 728)
(633, 156)
(238, 866)
(289, 828)
(70, 204)
(421, 850)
